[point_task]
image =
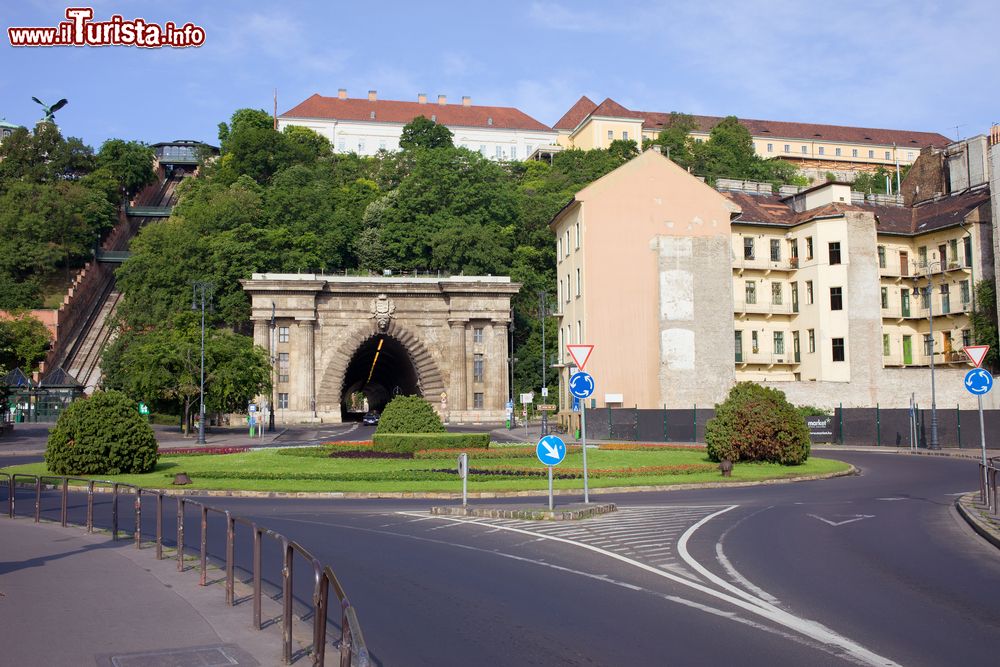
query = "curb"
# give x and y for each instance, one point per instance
(444, 495)
(971, 511)
(568, 514)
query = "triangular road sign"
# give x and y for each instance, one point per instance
(976, 353)
(580, 354)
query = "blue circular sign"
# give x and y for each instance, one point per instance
(978, 381)
(551, 450)
(581, 384)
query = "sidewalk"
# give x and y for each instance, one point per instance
(68, 599)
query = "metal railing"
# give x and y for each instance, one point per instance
(352, 647)
(988, 484)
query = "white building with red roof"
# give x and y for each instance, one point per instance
(368, 125)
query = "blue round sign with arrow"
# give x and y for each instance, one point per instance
(581, 384)
(551, 450)
(978, 381)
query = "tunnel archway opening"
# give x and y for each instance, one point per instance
(380, 369)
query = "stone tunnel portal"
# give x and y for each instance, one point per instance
(380, 369)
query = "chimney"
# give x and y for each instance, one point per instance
(442, 100)
(342, 94)
(995, 135)
(421, 98)
(466, 101)
(372, 95)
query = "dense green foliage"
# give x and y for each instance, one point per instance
(409, 414)
(984, 322)
(101, 435)
(23, 342)
(412, 442)
(130, 162)
(757, 423)
(422, 132)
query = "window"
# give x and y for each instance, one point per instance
(885, 345)
(964, 289)
(625, 135)
(788, 148)
(809, 247)
(751, 291)
(795, 297)
(922, 256)
(513, 152)
(566, 246)
(747, 248)
(836, 298)
(559, 291)
(928, 345)
(361, 146)
(579, 283)
(968, 250)
(885, 297)
(567, 288)
(835, 252)
(282, 334)
(871, 154)
(753, 342)
(854, 152)
(775, 250)
(966, 338)
(739, 346)
(477, 367)
(482, 149)
(836, 151)
(578, 236)
(776, 293)
(881, 257)
(283, 401)
(821, 150)
(945, 299)
(381, 144)
(838, 349)
(779, 342)
(282, 367)
(770, 148)
(477, 400)
(812, 341)
(342, 145)
(499, 152)
(805, 150)
(559, 249)
(579, 331)
(611, 135)
(809, 292)
(909, 155)
(477, 334)
(887, 155)
(953, 251)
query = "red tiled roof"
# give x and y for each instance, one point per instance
(655, 120)
(583, 107)
(393, 111)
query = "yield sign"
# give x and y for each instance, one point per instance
(976, 353)
(580, 354)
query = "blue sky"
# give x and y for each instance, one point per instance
(910, 65)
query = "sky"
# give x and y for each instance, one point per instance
(928, 66)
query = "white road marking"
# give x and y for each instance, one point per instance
(857, 517)
(889, 500)
(734, 574)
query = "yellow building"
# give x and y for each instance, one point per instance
(815, 148)
(685, 290)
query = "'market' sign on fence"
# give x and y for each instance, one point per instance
(820, 428)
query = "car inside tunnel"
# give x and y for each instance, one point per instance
(380, 369)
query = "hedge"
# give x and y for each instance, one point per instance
(411, 442)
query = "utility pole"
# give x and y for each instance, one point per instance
(202, 290)
(271, 406)
(543, 313)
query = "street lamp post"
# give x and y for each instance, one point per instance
(543, 313)
(201, 290)
(270, 407)
(928, 292)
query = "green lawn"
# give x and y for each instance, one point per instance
(292, 471)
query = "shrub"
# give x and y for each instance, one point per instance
(757, 423)
(101, 435)
(411, 442)
(409, 414)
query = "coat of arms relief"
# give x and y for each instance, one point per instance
(382, 309)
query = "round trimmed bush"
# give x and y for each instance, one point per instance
(409, 414)
(757, 423)
(101, 435)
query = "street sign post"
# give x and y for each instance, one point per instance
(551, 451)
(581, 385)
(463, 472)
(979, 381)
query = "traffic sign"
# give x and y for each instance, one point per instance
(576, 404)
(510, 405)
(976, 353)
(143, 408)
(252, 408)
(551, 450)
(580, 354)
(546, 407)
(581, 384)
(978, 381)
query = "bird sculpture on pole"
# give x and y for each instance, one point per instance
(50, 110)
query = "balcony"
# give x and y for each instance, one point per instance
(744, 307)
(766, 265)
(946, 358)
(761, 358)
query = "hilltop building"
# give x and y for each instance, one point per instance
(6, 129)
(368, 125)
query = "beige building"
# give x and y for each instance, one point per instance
(338, 343)
(816, 149)
(685, 290)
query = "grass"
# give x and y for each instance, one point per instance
(292, 473)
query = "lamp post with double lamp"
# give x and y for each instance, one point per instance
(202, 291)
(928, 292)
(543, 312)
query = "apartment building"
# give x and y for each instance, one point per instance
(685, 290)
(815, 148)
(368, 125)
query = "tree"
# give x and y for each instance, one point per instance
(43, 156)
(675, 138)
(422, 132)
(757, 423)
(130, 163)
(623, 149)
(23, 342)
(984, 322)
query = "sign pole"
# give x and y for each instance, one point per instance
(982, 435)
(583, 440)
(551, 502)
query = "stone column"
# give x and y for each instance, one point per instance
(497, 399)
(458, 398)
(307, 366)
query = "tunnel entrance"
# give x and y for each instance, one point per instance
(379, 370)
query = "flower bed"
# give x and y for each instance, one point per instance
(199, 451)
